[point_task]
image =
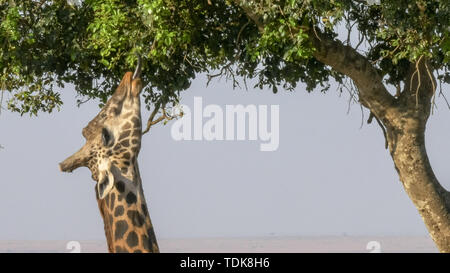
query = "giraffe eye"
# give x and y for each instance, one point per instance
(107, 137)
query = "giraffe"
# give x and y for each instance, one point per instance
(113, 141)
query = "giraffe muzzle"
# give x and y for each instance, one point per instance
(78, 159)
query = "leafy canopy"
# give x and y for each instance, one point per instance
(91, 43)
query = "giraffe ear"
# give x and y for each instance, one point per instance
(105, 184)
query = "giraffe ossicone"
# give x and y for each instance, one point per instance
(113, 142)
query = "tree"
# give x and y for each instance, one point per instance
(278, 43)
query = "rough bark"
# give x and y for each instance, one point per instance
(346, 60)
(405, 122)
(407, 147)
(415, 172)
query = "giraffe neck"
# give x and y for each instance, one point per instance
(128, 227)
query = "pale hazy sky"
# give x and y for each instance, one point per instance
(328, 176)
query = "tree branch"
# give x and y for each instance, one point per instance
(420, 86)
(164, 116)
(253, 16)
(346, 60)
(150, 121)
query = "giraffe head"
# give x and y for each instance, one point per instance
(113, 141)
(113, 138)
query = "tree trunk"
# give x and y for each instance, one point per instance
(404, 119)
(406, 139)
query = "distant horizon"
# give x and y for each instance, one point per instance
(402, 244)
